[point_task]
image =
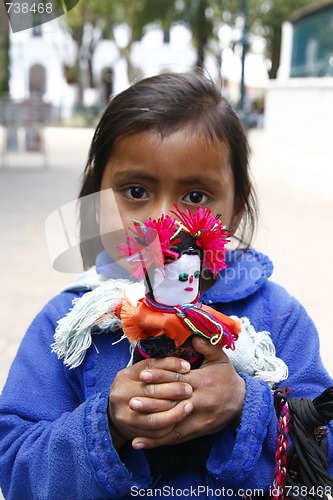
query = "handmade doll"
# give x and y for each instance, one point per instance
(159, 308)
(169, 254)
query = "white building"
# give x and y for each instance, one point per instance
(40, 56)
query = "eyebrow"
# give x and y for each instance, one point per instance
(187, 181)
(203, 180)
(129, 175)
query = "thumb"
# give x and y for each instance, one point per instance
(212, 353)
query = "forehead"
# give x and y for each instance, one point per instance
(185, 263)
(183, 153)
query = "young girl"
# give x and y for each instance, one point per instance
(101, 429)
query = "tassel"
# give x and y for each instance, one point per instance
(204, 323)
(129, 322)
(255, 355)
(73, 335)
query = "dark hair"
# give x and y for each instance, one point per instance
(167, 103)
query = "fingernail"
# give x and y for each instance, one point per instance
(185, 365)
(188, 408)
(145, 375)
(136, 404)
(188, 390)
(137, 445)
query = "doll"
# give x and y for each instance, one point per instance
(170, 254)
(158, 308)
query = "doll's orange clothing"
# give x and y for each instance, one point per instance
(145, 321)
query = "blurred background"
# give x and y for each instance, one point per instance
(274, 61)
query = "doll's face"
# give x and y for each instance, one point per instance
(179, 284)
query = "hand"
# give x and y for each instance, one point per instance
(217, 399)
(148, 399)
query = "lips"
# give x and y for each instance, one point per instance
(188, 289)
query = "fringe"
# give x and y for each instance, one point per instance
(255, 355)
(73, 335)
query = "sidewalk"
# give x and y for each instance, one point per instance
(294, 229)
(296, 216)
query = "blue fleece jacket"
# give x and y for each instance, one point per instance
(54, 437)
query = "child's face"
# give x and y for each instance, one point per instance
(149, 173)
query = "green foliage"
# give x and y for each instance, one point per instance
(268, 16)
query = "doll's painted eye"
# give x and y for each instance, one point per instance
(183, 277)
(197, 274)
(137, 193)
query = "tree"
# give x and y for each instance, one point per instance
(4, 51)
(267, 17)
(92, 20)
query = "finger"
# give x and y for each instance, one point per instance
(171, 438)
(171, 390)
(151, 405)
(174, 437)
(158, 376)
(172, 364)
(160, 424)
(168, 363)
(212, 353)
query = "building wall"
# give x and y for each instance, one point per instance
(298, 111)
(298, 123)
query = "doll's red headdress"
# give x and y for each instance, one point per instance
(157, 241)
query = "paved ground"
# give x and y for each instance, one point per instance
(295, 230)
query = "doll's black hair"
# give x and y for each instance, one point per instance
(165, 104)
(186, 245)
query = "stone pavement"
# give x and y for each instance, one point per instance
(294, 230)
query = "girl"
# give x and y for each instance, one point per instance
(100, 429)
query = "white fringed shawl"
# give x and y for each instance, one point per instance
(254, 353)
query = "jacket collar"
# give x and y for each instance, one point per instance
(247, 270)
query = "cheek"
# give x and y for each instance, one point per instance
(228, 211)
(112, 231)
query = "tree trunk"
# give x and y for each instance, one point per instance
(275, 53)
(200, 57)
(201, 31)
(4, 53)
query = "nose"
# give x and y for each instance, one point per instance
(191, 278)
(161, 207)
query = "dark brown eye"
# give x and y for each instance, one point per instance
(196, 198)
(137, 192)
